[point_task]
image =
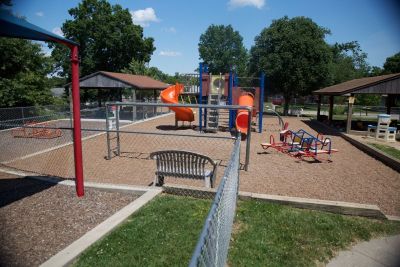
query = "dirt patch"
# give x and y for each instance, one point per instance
(39, 219)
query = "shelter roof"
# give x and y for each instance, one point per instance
(105, 79)
(384, 84)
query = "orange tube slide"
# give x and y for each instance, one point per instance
(242, 118)
(170, 96)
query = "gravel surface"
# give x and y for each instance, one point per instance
(352, 176)
(39, 219)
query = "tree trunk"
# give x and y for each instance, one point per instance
(286, 106)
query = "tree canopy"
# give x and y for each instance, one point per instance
(221, 47)
(23, 74)
(348, 62)
(392, 64)
(107, 36)
(294, 56)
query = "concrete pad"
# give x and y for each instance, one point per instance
(383, 252)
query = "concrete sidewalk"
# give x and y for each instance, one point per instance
(381, 252)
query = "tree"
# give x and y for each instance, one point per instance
(294, 56)
(140, 68)
(222, 48)
(23, 74)
(375, 71)
(348, 62)
(107, 37)
(392, 64)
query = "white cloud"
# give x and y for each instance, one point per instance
(39, 14)
(58, 31)
(242, 3)
(170, 30)
(143, 17)
(170, 53)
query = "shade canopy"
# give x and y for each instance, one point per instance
(15, 27)
(12, 26)
(384, 84)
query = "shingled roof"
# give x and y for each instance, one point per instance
(361, 85)
(139, 81)
(105, 79)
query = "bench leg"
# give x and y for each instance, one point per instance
(208, 182)
(155, 180)
(158, 180)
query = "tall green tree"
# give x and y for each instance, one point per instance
(23, 74)
(348, 62)
(140, 68)
(221, 47)
(107, 37)
(294, 55)
(392, 64)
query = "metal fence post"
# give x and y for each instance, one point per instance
(246, 165)
(108, 133)
(117, 128)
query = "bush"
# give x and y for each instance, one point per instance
(339, 110)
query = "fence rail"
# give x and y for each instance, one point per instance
(213, 244)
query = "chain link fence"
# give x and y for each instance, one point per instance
(42, 143)
(212, 247)
(117, 142)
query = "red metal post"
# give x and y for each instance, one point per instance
(76, 109)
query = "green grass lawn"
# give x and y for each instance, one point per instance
(387, 149)
(165, 232)
(275, 235)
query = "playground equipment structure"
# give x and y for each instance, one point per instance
(170, 96)
(226, 90)
(219, 90)
(301, 144)
(35, 129)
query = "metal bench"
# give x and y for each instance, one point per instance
(184, 164)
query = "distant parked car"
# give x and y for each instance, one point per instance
(277, 100)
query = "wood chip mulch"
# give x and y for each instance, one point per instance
(39, 219)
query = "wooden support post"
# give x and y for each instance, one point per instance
(155, 100)
(330, 108)
(134, 113)
(389, 103)
(349, 113)
(319, 107)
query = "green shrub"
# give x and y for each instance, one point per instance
(339, 110)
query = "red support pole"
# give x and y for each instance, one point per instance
(77, 122)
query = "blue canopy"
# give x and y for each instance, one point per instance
(12, 26)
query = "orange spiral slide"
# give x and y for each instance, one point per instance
(242, 118)
(170, 96)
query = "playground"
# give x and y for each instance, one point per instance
(74, 176)
(350, 176)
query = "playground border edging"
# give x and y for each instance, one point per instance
(338, 207)
(371, 151)
(374, 152)
(66, 256)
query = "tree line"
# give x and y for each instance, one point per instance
(292, 52)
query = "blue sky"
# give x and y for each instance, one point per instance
(176, 25)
